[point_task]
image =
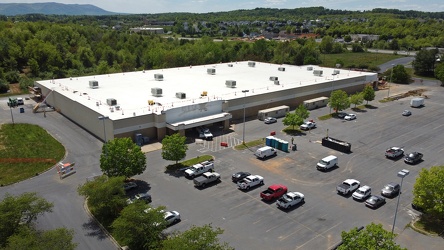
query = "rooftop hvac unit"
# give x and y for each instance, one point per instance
(156, 91)
(204, 93)
(276, 82)
(281, 69)
(273, 78)
(211, 71)
(336, 71)
(251, 64)
(181, 95)
(230, 83)
(230, 65)
(111, 101)
(309, 68)
(318, 72)
(158, 77)
(94, 84)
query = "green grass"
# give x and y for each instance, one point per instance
(250, 144)
(187, 163)
(363, 58)
(25, 151)
(429, 226)
(325, 117)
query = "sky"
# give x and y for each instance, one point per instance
(205, 6)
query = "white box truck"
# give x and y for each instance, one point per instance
(327, 163)
(417, 102)
(265, 152)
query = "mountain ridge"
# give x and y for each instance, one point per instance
(51, 8)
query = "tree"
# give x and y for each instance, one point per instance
(339, 100)
(139, 226)
(357, 99)
(302, 112)
(372, 237)
(196, 238)
(29, 238)
(174, 147)
(106, 196)
(122, 157)
(428, 191)
(297, 117)
(368, 93)
(18, 211)
(424, 62)
(400, 75)
(439, 73)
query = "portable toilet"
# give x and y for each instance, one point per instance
(268, 140)
(285, 146)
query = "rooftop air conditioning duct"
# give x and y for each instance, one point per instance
(181, 95)
(336, 71)
(273, 78)
(230, 83)
(276, 82)
(94, 84)
(156, 91)
(281, 69)
(252, 64)
(158, 77)
(111, 102)
(318, 72)
(211, 71)
(309, 68)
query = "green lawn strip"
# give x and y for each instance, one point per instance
(356, 59)
(326, 117)
(187, 163)
(250, 144)
(26, 150)
(428, 225)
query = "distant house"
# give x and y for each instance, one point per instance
(147, 30)
(364, 37)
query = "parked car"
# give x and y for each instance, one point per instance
(265, 152)
(348, 186)
(341, 115)
(199, 169)
(350, 117)
(362, 193)
(394, 152)
(274, 192)
(206, 178)
(239, 176)
(129, 185)
(375, 201)
(290, 199)
(413, 157)
(20, 101)
(406, 113)
(171, 217)
(250, 181)
(327, 163)
(308, 125)
(391, 190)
(270, 120)
(143, 196)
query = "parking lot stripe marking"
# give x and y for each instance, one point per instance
(248, 201)
(272, 228)
(281, 238)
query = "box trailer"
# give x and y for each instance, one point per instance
(417, 102)
(275, 112)
(316, 103)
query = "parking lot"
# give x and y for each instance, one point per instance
(251, 223)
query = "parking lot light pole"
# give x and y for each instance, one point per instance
(243, 133)
(391, 77)
(403, 173)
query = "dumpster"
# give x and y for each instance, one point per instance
(294, 147)
(336, 144)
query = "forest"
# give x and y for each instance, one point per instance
(37, 46)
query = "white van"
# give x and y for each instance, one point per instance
(417, 102)
(327, 162)
(265, 152)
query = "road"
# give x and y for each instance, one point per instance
(84, 150)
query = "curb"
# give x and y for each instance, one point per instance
(85, 206)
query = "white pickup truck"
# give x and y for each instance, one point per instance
(206, 178)
(348, 186)
(308, 125)
(200, 168)
(290, 199)
(250, 181)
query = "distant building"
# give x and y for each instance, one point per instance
(147, 30)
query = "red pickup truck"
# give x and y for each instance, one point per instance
(273, 192)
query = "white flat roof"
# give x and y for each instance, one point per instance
(132, 90)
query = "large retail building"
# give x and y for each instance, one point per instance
(160, 102)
